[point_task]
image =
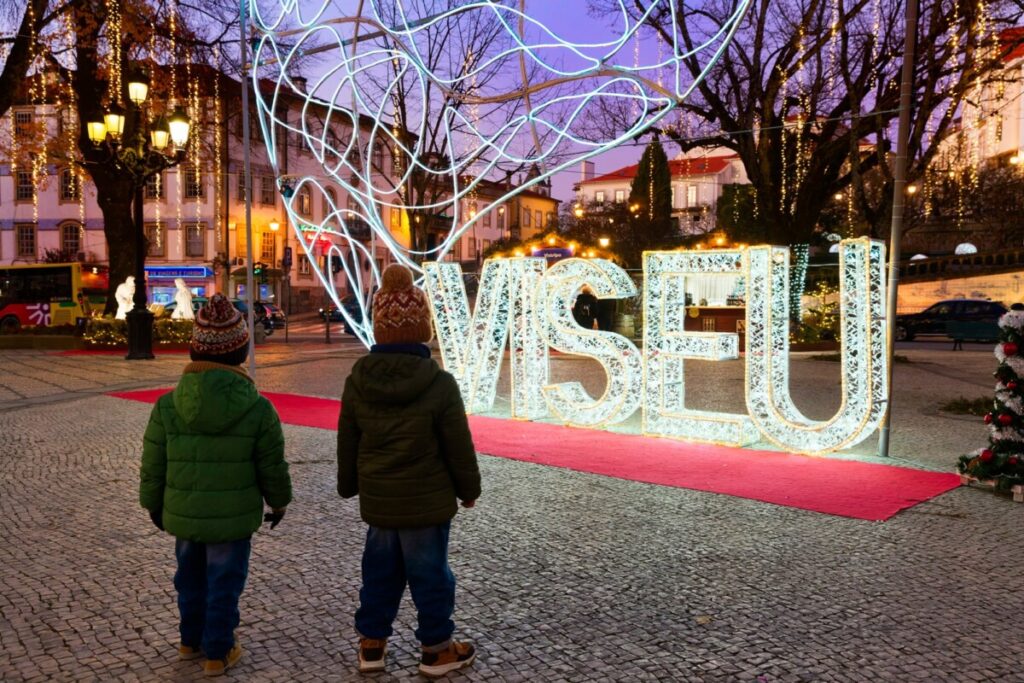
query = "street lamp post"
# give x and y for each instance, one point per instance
(141, 159)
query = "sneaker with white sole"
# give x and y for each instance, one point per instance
(457, 655)
(371, 654)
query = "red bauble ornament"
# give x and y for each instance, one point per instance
(986, 455)
(1010, 349)
(988, 418)
(1005, 419)
(1011, 385)
(1012, 460)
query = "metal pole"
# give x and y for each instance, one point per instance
(899, 196)
(140, 320)
(244, 53)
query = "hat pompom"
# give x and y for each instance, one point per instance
(395, 277)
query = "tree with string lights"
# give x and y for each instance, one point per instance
(807, 95)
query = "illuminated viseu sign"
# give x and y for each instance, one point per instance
(527, 307)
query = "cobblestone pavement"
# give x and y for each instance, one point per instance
(563, 576)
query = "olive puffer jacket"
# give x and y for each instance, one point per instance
(213, 452)
(403, 441)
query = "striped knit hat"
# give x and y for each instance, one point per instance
(219, 328)
(401, 314)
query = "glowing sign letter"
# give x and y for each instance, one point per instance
(619, 357)
(528, 353)
(471, 349)
(862, 320)
(471, 352)
(666, 345)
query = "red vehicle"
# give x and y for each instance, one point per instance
(49, 293)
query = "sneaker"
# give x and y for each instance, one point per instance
(217, 667)
(187, 654)
(456, 656)
(371, 654)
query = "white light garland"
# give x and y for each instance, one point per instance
(862, 318)
(617, 355)
(667, 344)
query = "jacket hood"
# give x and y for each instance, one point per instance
(213, 399)
(396, 378)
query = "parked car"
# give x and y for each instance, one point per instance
(934, 319)
(351, 306)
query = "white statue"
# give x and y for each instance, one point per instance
(182, 301)
(123, 295)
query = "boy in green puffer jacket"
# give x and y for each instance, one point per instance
(404, 447)
(213, 453)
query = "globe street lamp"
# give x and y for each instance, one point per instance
(140, 157)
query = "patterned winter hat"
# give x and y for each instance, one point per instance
(401, 314)
(219, 328)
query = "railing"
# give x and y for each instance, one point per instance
(960, 266)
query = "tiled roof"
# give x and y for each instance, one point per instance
(680, 168)
(1012, 42)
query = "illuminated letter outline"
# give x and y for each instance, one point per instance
(666, 345)
(617, 355)
(864, 376)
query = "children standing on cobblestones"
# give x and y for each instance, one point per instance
(213, 452)
(404, 447)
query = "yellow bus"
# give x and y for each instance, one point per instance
(35, 294)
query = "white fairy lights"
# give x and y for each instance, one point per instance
(617, 355)
(352, 109)
(666, 345)
(521, 302)
(863, 385)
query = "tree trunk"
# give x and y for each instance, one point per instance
(114, 193)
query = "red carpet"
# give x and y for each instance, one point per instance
(115, 352)
(837, 487)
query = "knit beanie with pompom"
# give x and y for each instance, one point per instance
(401, 314)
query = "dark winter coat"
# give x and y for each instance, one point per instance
(213, 452)
(403, 440)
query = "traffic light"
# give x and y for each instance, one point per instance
(259, 272)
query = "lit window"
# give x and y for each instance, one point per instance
(267, 247)
(599, 196)
(305, 202)
(304, 265)
(620, 196)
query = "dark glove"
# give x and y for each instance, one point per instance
(157, 517)
(274, 517)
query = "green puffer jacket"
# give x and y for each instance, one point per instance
(213, 452)
(403, 442)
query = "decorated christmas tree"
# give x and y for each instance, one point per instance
(1002, 462)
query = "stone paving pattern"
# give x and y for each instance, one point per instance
(562, 576)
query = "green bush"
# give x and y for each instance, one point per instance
(111, 332)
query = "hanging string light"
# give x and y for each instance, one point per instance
(114, 44)
(217, 125)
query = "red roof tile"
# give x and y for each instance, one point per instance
(680, 168)
(1011, 41)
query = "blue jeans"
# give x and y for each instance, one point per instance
(209, 580)
(393, 557)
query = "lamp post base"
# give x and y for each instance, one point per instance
(140, 335)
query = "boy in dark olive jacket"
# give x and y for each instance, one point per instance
(404, 447)
(213, 452)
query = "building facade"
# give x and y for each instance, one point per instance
(697, 182)
(194, 213)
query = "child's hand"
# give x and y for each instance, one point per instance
(468, 503)
(274, 517)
